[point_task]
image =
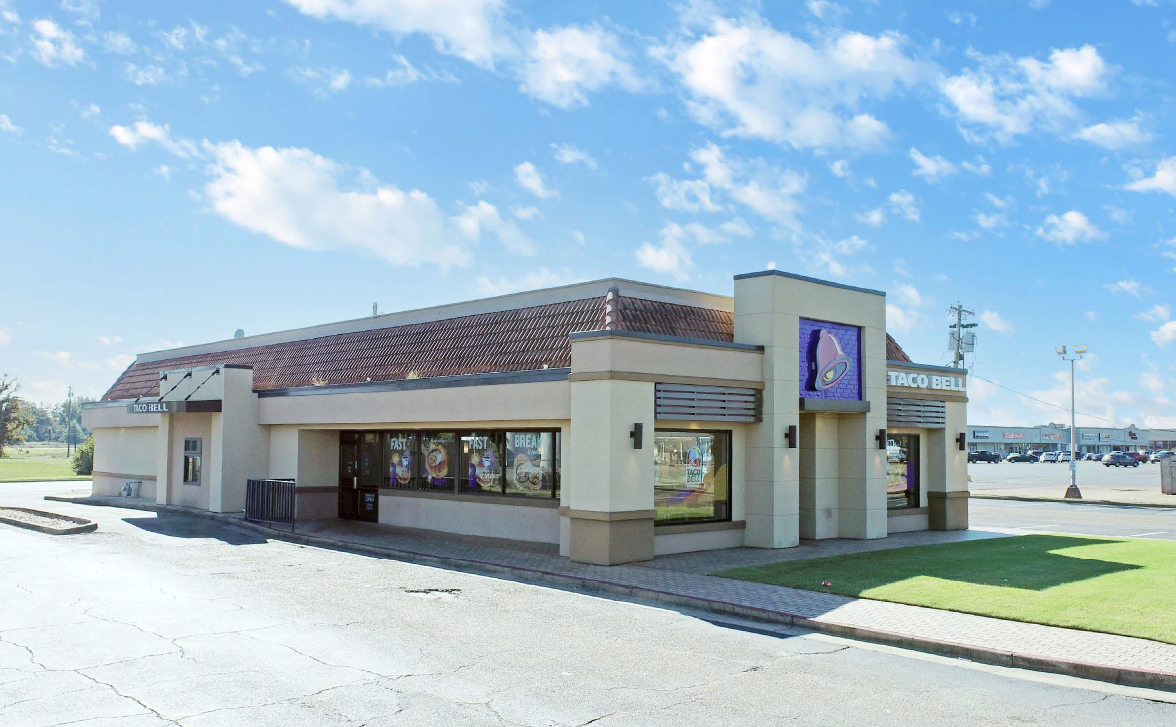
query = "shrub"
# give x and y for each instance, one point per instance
(83, 459)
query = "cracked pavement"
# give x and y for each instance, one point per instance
(181, 621)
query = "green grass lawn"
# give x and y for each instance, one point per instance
(1118, 586)
(25, 464)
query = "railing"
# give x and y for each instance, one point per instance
(271, 501)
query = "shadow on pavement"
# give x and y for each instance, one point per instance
(180, 526)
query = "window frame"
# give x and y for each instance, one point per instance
(727, 434)
(195, 455)
(418, 479)
(913, 453)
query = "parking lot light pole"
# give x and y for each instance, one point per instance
(1072, 493)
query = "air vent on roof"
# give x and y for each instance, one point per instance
(239, 333)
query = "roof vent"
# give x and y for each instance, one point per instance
(239, 333)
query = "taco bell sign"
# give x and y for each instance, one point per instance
(830, 360)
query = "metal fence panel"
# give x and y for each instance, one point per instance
(271, 501)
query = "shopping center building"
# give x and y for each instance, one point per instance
(1056, 437)
(617, 419)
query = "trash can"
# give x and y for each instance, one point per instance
(1167, 476)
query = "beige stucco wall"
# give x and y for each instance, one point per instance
(665, 361)
(125, 453)
(183, 427)
(540, 401)
(495, 520)
(693, 542)
(609, 474)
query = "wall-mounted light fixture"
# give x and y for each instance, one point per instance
(961, 440)
(790, 436)
(881, 437)
(635, 435)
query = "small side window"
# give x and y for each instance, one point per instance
(192, 454)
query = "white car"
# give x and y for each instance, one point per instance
(1049, 457)
(1157, 456)
(1064, 456)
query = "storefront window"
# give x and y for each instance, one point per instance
(438, 461)
(401, 450)
(481, 458)
(902, 471)
(530, 457)
(692, 481)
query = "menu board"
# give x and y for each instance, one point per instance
(529, 457)
(401, 452)
(483, 463)
(437, 465)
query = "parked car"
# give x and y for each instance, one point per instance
(1119, 459)
(1064, 456)
(1092, 457)
(1139, 456)
(1021, 457)
(1157, 456)
(1049, 457)
(981, 455)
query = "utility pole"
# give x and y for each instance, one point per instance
(960, 313)
(1073, 493)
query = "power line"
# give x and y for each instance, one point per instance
(1040, 401)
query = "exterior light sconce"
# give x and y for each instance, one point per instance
(790, 436)
(881, 437)
(635, 435)
(960, 441)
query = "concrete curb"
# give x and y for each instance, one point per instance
(83, 525)
(1113, 503)
(1144, 678)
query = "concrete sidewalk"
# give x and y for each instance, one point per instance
(681, 580)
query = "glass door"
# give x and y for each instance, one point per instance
(371, 469)
(902, 475)
(348, 475)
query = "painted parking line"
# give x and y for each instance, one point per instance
(1144, 535)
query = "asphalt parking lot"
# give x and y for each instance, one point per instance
(1096, 481)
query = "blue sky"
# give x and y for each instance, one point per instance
(174, 171)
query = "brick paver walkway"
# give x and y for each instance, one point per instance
(683, 577)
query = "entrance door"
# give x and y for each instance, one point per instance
(902, 476)
(371, 468)
(348, 475)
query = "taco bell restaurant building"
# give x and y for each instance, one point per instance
(614, 419)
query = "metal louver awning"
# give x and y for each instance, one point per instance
(923, 413)
(707, 403)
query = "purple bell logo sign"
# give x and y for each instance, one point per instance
(831, 362)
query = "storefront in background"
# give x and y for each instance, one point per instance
(614, 420)
(1056, 438)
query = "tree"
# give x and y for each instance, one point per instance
(83, 459)
(14, 414)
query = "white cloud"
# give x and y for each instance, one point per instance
(8, 127)
(1153, 382)
(146, 75)
(469, 29)
(145, 131)
(1069, 229)
(933, 168)
(826, 10)
(669, 257)
(5, 336)
(120, 362)
(570, 154)
(991, 319)
(1156, 314)
(991, 221)
(405, 73)
(1165, 334)
(526, 212)
(54, 46)
(831, 256)
(1115, 135)
(1131, 287)
(745, 78)
(108, 340)
(90, 112)
(703, 235)
(688, 195)
(119, 43)
(909, 294)
(901, 320)
(1164, 179)
(299, 198)
(980, 166)
(839, 168)
(1005, 97)
(531, 180)
(564, 64)
(905, 203)
(873, 217)
(164, 171)
(531, 280)
(326, 81)
(765, 188)
(484, 215)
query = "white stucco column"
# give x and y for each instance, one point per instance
(819, 479)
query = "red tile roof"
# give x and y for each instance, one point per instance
(519, 339)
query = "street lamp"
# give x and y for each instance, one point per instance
(1073, 492)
